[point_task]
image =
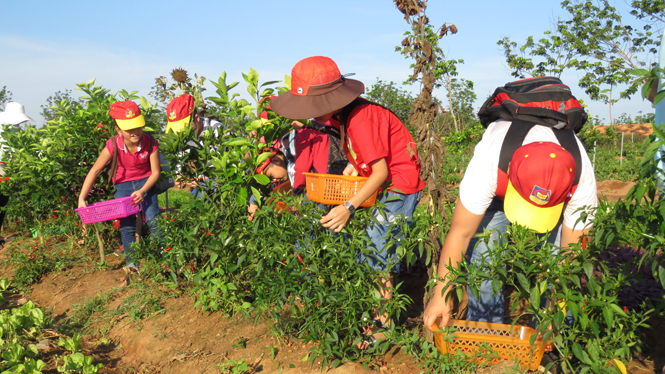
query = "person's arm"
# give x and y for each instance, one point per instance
(89, 181)
(155, 169)
(304, 158)
(462, 229)
(571, 236)
(337, 218)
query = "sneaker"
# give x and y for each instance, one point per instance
(119, 251)
(131, 270)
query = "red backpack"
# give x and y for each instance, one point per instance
(528, 102)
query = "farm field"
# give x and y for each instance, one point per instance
(136, 325)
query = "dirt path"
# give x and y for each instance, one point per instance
(146, 328)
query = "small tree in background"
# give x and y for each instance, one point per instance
(615, 54)
(392, 97)
(5, 97)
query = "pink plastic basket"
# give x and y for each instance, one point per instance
(108, 210)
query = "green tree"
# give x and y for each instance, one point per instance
(50, 109)
(597, 40)
(392, 97)
(5, 97)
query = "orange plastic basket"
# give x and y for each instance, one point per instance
(333, 189)
(282, 189)
(509, 342)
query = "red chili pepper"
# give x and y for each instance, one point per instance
(54, 211)
(63, 198)
(173, 220)
(299, 258)
(625, 309)
(208, 233)
(104, 130)
(53, 217)
(191, 267)
(100, 125)
(296, 281)
(166, 250)
(583, 241)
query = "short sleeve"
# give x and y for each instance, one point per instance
(370, 132)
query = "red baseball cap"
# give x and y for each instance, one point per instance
(179, 112)
(317, 88)
(540, 182)
(127, 115)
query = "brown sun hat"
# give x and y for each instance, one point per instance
(317, 88)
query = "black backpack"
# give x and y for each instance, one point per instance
(336, 158)
(535, 101)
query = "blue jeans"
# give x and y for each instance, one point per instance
(489, 308)
(150, 208)
(400, 207)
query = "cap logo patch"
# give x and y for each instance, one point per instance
(129, 113)
(300, 90)
(172, 114)
(540, 195)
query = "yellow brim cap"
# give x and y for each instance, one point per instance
(522, 212)
(128, 124)
(177, 126)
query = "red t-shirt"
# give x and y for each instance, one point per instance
(135, 166)
(374, 133)
(311, 151)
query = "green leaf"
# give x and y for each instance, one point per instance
(262, 178)
(588, 269)
(609, 317)
(578, 352)
(524, 283)
(661, 275)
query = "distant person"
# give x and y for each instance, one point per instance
(14, 114)
(377, 145)
(137, 172)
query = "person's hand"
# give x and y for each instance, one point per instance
(82, 203)
(351, 171)
(336, 219)
(437, 307)
(138, 197)
(250, 211)
(297, 125)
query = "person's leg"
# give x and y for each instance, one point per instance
(127, 224)
(150, 208)
(399, 210)
(489, 306)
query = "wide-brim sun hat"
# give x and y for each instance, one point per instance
(317, 88)
(127, 115)
(14, 114)
(179, 113)
(540, 182)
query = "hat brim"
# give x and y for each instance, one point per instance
(522, 212)
(177, 126)
(128, 124)
(311, 106)
(14, 118)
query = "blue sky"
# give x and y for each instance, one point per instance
(46, 46)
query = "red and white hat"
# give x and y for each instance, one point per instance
(179, 112)
(317, 88)
(540, 182)
(127, 115)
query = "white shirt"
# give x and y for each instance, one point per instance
(478, 186)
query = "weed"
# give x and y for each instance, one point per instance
(241, 343)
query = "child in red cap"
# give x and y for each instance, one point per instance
(377, 145)
(137, 171)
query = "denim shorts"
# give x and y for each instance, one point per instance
(398, 207)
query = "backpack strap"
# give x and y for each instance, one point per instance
(567, 140)
(514, 139)
(114, 163)
(328, 130)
